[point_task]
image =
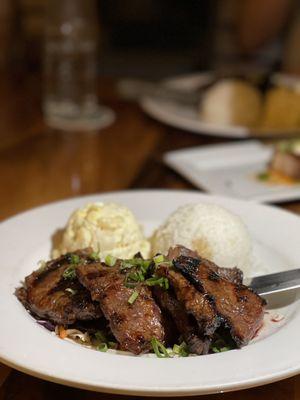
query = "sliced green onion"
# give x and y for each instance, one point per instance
(220, 344)
(73, 259)
(70, 290)
(130, 285)
(69, 273)
(181, 350)
(225, 348)
(95, 256)
(125, 264)
(136, 261)
(130, 282)
(112, 345)
(155, 281)
(133, 297)
(100, 336)
(184, 353)
(146, 263)
(141, 276)
(220, 349)
(263, 176)
(159, 349)
(130, 263)
(110, 260)
(166, 283)
(102, 347)
(176, 348)
(158, 259)
(136, 276)
(145, 266)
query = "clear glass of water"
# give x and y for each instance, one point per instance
(70, 99)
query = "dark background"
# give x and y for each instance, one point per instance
(177, 33)
(158, 38)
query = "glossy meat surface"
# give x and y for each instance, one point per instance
(133, 325)
(48, 294)
(195, 303)
(238, 307)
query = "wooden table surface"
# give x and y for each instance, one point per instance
(38, 165)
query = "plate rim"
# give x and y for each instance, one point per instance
(151, 391)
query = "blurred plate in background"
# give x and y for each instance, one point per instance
(188, 118)
(231, 170)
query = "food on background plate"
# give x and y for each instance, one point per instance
(281, 109)
(239, 102)
(284, 167)
(106, 227)
(172, 304)
(212, 231)
(232, 102)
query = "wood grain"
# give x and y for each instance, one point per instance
(38, 165)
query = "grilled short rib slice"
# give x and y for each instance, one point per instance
(195, 303)
(47, 294)
(238, 307)
(133, 325)
(185, 326)
(234, 275)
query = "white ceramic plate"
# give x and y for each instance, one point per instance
(188, 118)
(26, 346)
(231, 169)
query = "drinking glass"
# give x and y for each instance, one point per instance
(70, 67)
